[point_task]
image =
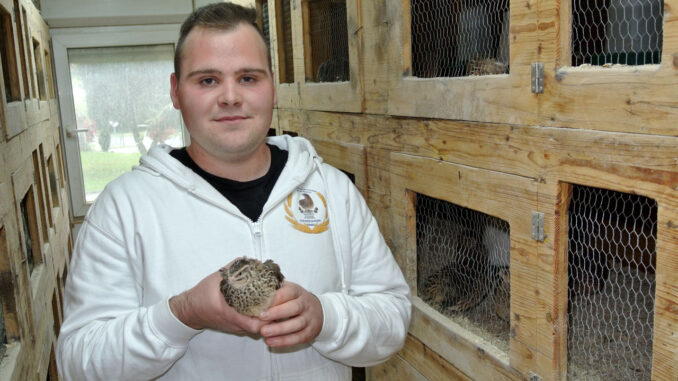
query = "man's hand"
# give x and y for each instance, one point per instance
(295, 317)
(203, 306)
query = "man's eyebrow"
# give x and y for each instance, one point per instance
(245, 70)
(203, 72)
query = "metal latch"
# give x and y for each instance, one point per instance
(537, 77)
(538, 226)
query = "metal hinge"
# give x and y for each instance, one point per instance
(538, 226)
(535, 377)
(537, 77)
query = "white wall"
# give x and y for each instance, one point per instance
(83, 13)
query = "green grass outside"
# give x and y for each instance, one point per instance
(99, 168)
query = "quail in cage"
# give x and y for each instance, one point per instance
(457, 287)
(249, 285)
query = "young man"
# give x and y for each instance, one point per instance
(142, 299)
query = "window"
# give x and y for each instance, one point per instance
(120, 105)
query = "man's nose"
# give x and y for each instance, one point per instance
(229, 94)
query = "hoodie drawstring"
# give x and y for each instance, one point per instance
(317, 161)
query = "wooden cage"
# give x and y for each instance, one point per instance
(35, 226)
(556, 98)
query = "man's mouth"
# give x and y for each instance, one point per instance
(230, 118)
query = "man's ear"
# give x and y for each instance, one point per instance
(174, 91)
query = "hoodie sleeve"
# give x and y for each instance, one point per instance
(107, 333)
(368, 323)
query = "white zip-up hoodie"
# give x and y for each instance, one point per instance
(160, 229)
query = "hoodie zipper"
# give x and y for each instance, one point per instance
(258, 244)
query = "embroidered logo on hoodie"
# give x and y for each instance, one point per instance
(307, 211)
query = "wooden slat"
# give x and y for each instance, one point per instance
(431, 365)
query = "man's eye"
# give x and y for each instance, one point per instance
(248, 79)
(208, 81)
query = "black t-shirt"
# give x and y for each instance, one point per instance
(248, 196)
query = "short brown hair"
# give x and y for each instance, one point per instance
(221, 16)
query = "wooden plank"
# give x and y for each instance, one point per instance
(395, 369)
(431, 365)
(665, 343)
(347, 157)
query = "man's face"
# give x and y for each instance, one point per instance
(225, 93)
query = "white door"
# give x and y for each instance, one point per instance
(114, 86)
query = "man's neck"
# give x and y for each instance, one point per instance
(250, 168)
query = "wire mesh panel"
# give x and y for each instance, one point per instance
(463, 267)
(611, 284)
(625, 32)
(263, 21)
(328, 40)
(456, 38)
(285, 50)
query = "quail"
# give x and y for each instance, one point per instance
(249, 285)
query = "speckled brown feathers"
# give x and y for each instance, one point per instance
(249, 285)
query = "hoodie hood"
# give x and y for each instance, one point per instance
(301, 162)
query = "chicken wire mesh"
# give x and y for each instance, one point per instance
(285, 50)
(263, 21)
(328, 34)
(457, 38)
(611, 284)
(627, 32)
(463, 267)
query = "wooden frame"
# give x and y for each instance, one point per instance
(25, 191)
(508, 197)
(9, 303)
(334, 96)
(327, 96)
(287, 88)
(632, 96)
(657, 187)
(12, 330)
(487, 98)
(14, 113)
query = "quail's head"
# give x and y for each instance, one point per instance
(249, 285)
